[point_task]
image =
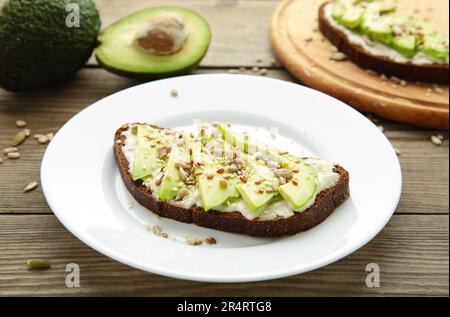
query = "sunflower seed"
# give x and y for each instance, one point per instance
(191, 240)
(13, 155)
(9, 150)
(20, 123)
(275, 184)
(31, 186)
(338, 56)
(156, 230)
(50, 136)
(174, 93)
(183, 173)
(181, 194)
(43, 139)
(436, 140)
(280, 172)
(211, 240)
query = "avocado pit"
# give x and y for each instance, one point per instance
(163, 34)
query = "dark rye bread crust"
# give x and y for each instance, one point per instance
(326, 202)
(435, 73)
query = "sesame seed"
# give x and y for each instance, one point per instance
(436, 140)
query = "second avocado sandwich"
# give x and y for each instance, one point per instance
(375, 35)
(223, 180)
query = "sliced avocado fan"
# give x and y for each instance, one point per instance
(220, 171)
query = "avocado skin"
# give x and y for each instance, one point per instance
(37, 48)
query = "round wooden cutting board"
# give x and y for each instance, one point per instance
(303, 50)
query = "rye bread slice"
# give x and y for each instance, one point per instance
(326, 202)
(435, 73)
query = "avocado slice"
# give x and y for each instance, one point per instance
(352, 17)
(252, 192)
(386, 6)
(118, 53)
(172, 181)
(380, 31)
(436, 47)
(146, 160)
(212, 192)
(301, 188)
(37, 48)
(405, 44)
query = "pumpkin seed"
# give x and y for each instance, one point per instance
(19, 138)
(39, 264)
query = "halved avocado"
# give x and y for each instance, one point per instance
(118, 53)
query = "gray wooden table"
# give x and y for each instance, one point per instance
(412, 251)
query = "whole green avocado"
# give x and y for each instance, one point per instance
(41, 41)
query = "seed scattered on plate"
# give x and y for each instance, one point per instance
(27, 132)
(381, 128)
(20, 123)
(164, 235)
(38, 264)
(31, 186)
(174, 93)
(211, 240)
(263, 72)
(255, 69)
(191, 240)
(130, 205)
(148, 227)
(157, 230)
(50, 136)
(338, 56)
(436, 140)
(13, 155)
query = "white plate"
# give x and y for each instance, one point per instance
(82, 184)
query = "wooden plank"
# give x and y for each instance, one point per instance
(425, 166)
(412, 252)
